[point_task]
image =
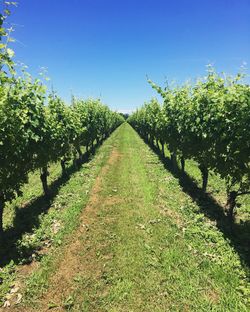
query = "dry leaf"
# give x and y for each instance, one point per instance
(6, 304)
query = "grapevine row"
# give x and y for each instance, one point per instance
(36, 129)
(209, 123)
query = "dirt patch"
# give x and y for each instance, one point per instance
(212, 296)
(27, 269)
(113, 200)
(113, 157)
(80, 254)
(175, 216)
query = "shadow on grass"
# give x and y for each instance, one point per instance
(238, 234)
(27, 218)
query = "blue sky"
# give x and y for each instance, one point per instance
(105, 48)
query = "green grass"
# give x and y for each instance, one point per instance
(217, 187)
(153, 247)
(32, 224)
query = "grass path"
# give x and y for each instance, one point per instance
(142, 245)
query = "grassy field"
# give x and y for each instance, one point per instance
(125, 233)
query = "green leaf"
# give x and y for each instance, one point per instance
(10, 52)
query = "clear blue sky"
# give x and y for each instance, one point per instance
(107, 47)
